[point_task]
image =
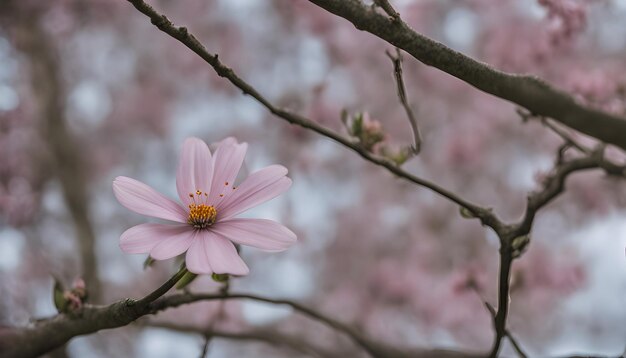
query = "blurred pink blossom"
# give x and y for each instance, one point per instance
(207, 228)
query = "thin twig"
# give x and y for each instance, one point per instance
(386, 6)
(397, 71)
(565, 136)
(554, 184)
(271, 337)
(530, 92)
(507, 333)
(205, 346)
(208, 331)
(181, 299)
(515, 345)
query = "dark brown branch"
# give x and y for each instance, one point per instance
(499, 320)
(205, 346)
(208, 336)
(554, 184)
(271, 337)
(47, 334)
(507, 333)
(515, 345)
(397, 71)
(565, 136)
(358, 338)
(535, 95)
(189, 40)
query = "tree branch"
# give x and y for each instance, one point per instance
(271, 337)
(50, 333)
(499, 319)
(358, 338)
(554, 184)
(530, 92)
(397, 71)
(507, 333)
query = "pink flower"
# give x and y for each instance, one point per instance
(206, 227)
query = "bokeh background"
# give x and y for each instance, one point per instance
(90, 90)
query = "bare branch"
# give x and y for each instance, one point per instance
(397, 70)
(530, 92)
(271, 337)
(499, 320)
(507, 333)
(554, 184)
(358, 338)
(47, 334)
(516, 345)
(566, 136)
(208, 335)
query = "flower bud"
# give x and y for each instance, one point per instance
(60, 302)
(466, 213)
(519, 245)
(148, 262)
(220, 277)
(79, 289)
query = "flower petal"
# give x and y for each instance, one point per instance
(223, 255)
(260, 233)
(227, 161)
(141, 239)
(197, 260)
(195, 169)
(173, 245)
(258, 188)
(144, 200)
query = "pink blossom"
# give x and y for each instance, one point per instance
(206, 227)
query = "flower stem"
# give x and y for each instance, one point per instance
(164, 288)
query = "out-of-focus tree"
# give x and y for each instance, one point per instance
(90, 90)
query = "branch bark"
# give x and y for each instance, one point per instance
(554, 184)
(47, 334)
(499, 319)
(530, 92)
(397, 72)
(273, 338)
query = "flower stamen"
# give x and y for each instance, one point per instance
(201, 215)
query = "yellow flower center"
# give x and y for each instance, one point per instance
(201, 215)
